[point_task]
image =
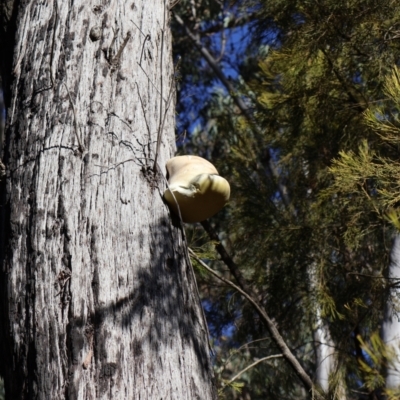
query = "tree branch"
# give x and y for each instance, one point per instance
(272, 329)
(251, 366)
(226, 258)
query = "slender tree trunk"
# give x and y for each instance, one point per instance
(327, 361)
(97, 298)
(391, 323)
(325, 353)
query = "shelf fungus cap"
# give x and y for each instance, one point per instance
(198, 189)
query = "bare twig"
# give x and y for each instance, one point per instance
(76, 126)
(133, 22)
(145, 119)
(151, 82)
(162, 118)
(251, 366)
(173, 4)
(81, 148)
(141, 55)
(161, 129)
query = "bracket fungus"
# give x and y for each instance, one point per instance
(198, 189)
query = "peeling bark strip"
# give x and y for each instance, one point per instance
(96, 297)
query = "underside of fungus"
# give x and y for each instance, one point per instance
(196, 187)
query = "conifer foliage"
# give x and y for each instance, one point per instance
(311, 235)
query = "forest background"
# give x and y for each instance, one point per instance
(297, 104)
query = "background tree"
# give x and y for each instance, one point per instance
(370, 176)
(97, 296)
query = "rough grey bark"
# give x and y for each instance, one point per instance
(97, 299)
(391, 323)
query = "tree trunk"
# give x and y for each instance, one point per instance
(97, 298)
(325, 351)
(327, 361)
(391, 323)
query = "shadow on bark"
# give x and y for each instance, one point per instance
(156, 319)
(162, 307)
